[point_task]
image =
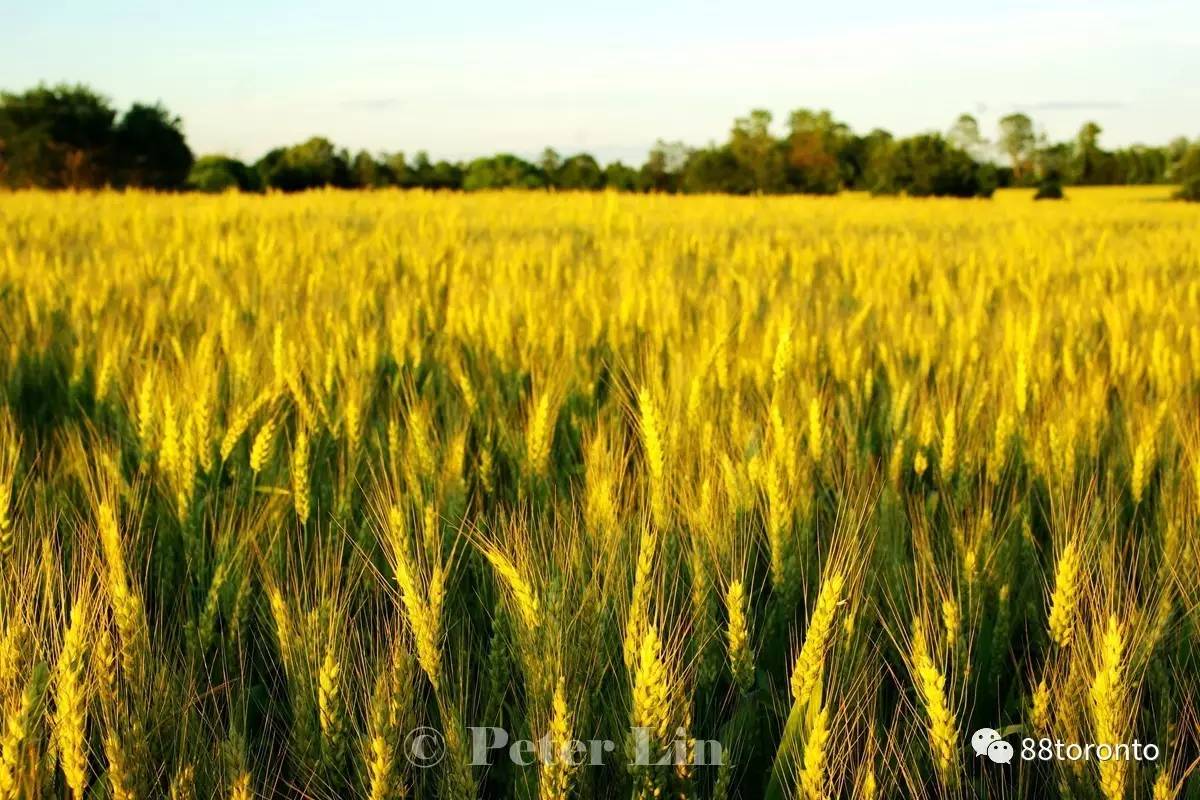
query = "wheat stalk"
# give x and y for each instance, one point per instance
(1039, 715)
(6, 520)
(422, 608)
(301, 496)
(240, 788)
(19, 731)
(949, 450)
(931, 685)
(812, 776)
(651, 711)
(332, 713)
(737, 636)
(637, 618)
(528, 607)
(383, 728)
(12, 655)
(817, 639)
(261, 449)
(1162, 789)
(554, 781)
(656, 456)
(120, 774)
(1109, 711)
(816, 436)
(539, 434)
(1065, 598)
(71, 702)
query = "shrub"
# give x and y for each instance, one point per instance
(220, 174)
(1189, 175)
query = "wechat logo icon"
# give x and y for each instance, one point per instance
(987, 742)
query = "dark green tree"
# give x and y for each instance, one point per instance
(853, 158)
(1176, 149)
(1051, 162)
(1188, 174)
(56, 137)
(445, 175)
(149, 149)
(578, 172)
(621, 177)
(928, 165)
(217, 173)
(308, 165)
(815, 144)
(1140, 164)
(503, 171)
(757, 153)
(395, 171)
(966, 136)
(550, 161)
(422, 171)
(1018, 141)
(716, 170)
(366, 172)
(880, 175)
(1091, 165)
(663, 167)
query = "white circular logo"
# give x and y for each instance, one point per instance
(425, 747)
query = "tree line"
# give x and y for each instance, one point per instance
(71, 137)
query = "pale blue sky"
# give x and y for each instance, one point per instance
(469, 78)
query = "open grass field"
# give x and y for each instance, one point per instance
(781, 497)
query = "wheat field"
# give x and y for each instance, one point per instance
(823, 484)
